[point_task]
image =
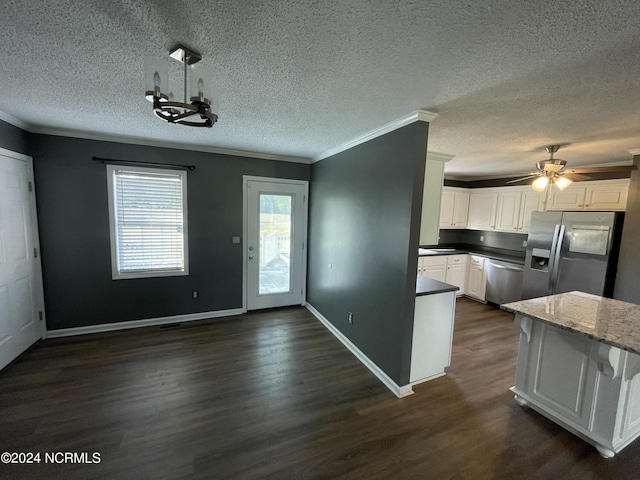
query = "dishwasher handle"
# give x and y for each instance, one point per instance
(502, 267)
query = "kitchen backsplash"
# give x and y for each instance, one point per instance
(502, 240)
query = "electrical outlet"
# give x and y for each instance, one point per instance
(194, 294)
(482, 238)
(524, 243)
(350, 318)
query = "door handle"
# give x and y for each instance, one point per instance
(552, 256)
(556, 257)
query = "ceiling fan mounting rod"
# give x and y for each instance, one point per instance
(552, 149)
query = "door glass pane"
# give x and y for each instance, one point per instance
(275, 244)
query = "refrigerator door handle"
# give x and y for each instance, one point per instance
(556, 257)
(552, 258)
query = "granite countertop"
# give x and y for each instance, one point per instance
(604, 319)
(496, 254)
(429, 286)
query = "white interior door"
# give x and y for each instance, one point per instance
(21, 298)
(275, 238)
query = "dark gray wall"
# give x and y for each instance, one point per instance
(365, 206)
(627, 286)
(71, 192)
(13, 138)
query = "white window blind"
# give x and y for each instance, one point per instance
(148, 222)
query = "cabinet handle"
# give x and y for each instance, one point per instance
(579, 205)
(586, 205)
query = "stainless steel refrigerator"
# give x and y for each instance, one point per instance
(569, 251)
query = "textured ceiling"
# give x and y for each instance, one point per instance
(299, 77)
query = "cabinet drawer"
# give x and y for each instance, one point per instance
(453, 259)
(478, 261)
(434, 261)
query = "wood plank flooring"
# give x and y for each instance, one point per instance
(273, 395)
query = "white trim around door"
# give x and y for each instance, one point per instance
(273, 185)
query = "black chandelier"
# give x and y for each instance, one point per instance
(200, 111)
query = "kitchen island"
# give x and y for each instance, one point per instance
(578, 365)
(432, 329)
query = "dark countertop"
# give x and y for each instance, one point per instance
(429, 286)
(511, 256)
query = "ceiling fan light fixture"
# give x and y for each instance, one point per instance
(198, 108)
(540, 183)
(562, 182)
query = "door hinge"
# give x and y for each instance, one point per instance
(30, 186)
(40, 316)
(35, 253)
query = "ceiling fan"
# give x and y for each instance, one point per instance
(553, 171)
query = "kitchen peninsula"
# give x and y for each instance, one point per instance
(579, 365)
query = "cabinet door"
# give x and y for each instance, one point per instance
(571, 198)
(460, 209)
(446, 208)
(606, 197)
(456, 273)
(434, 267)
(531, 201)
(476, 280)
(437, 272)
(508, 211)
(482, 211)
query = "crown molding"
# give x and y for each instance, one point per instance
(60, 132)
(16, 122)
(417, 116)
(634, 151)
(439, 157)
(163, 144)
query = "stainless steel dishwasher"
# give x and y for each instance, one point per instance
(504, 282)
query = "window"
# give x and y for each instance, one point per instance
(148, 222)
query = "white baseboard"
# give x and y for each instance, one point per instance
(147, 322)
(398, 391)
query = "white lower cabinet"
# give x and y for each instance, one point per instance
(477, 278)
(588, 387)
(451, 269)
(433, 267)
(457, 272)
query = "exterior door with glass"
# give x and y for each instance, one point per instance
(275, 239)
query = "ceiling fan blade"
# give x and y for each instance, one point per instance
(524, 178)
(574, 177)
(619, 168)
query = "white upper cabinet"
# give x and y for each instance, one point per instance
(454, 207)
(530, 202)
(508, 211)
(482, 209)
(595, 195)
(515, 205)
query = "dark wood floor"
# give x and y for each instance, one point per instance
(275, 395)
